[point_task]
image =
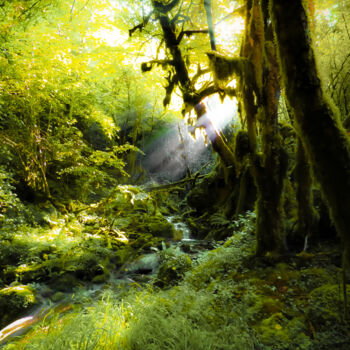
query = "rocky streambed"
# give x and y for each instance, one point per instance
(162, 265)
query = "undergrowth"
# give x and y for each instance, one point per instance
(221, 303)
(191, 315)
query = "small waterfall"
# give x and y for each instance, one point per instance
(180, 226)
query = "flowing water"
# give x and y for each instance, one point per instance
(140, 271)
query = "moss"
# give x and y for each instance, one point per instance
(36, 272)
(65, 282)
(102, 278)
(316, 119)
(257, 39)
(242, 146)
(281, 333)
(14, 301)
(326, 304)
(158, 226)
(306, 215)
(58, 296)
(172, 268)
(224, 67)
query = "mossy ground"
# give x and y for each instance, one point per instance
(223, 299)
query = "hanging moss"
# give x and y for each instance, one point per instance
(225, 67)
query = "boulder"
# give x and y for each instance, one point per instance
(14, 302)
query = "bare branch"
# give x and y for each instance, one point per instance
(28, 9)
(141, 25)
(191, 32)
(177, 17)
(147, 66)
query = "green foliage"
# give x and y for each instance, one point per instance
(14, 300)
(179, 320)
(331, 33)
(63, 95)
(173, 265)
(11, 208)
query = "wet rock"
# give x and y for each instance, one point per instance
(65, 283)
(145, 264)
(58, 296)
(158, 226)
(14, 301)
(172, 268)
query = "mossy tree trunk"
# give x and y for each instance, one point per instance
(303, 179)
(260, 101)
(317, 121)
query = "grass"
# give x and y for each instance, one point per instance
(223, 302)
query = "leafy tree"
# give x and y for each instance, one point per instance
(63, 94)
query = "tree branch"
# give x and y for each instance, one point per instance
(141, 25)
(164, 8)
(28, 9)
(207, 6)
(191, 32)
(147, 66)
(200, 72)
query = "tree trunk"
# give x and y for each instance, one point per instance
(306, 215)
(317, 120)
(260, 101)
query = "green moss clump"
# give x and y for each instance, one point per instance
(14, 301)
(172, 268)
(326, 304)
(280, 333)
(158, 226)
(225, 67)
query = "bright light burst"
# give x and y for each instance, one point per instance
(227, 33)
(222, 113)
(112, 37)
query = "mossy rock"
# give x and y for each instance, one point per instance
(88, 269)
(158, 226)
(58, 296)
(172, 269)
(278, 332)
(14, 301)
(326, 304)
(36, 272)
(100, 279)
(65, 282)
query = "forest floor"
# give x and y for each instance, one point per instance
(118, 274)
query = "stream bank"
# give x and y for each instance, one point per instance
(123, 273)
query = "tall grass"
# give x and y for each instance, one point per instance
(192, 316)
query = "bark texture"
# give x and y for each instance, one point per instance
(306, 214)
(317, 122)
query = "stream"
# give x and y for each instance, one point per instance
(140, 271)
